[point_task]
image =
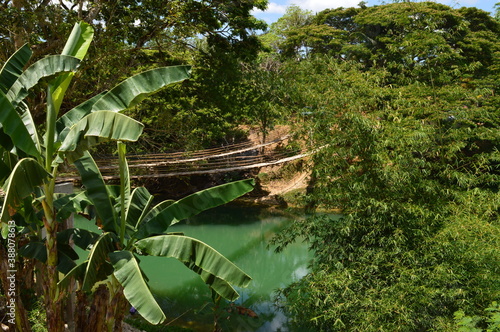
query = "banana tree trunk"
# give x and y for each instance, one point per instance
(97, 314)
(116, 312)
(55, 322)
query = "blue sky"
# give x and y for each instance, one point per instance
(277, 8)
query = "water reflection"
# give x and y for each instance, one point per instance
(242, 235)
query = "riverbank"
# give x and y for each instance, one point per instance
(281, 185)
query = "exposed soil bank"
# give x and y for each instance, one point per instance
(279, 185)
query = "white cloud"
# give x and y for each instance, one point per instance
(272, 8)
(275, 8)
(319, 5)
(280, 6)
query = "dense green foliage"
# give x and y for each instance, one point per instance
(491, 319)
(133, 36)
(407, 134)
(399, 102)
(32, 213)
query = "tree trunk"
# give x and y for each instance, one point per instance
(55, 321)
(97, 315)
(116, 312)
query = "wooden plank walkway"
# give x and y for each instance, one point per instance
(236, 157)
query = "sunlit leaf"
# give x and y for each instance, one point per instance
(192, 205)
(44, 67)
(215, 269)
(77, 46)
(98, 127)
(136, 88)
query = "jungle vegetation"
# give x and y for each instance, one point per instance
(399, 101)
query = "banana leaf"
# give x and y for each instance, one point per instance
(98, 127)
(68, 119)
(138, 87)
(98, 267)
(13, 68)
(77, 46)
(215, 269)
(44, 67)
(25, 177)
(97, 192)
(135, 288)
(140, 201)
(125, 95)
(78, 272)
(192, 205)
(13, 125)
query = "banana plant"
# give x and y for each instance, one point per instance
(132, 226)
(31, 159)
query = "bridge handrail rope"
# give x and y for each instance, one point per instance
(212, 171)
(205, 163)
(204, 154)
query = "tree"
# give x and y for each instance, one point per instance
(281, 37)
(131, 23)
(427, 42)
(414, 171)
(133, 36)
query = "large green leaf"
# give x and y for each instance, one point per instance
(215, 269)
(79, 40)
(136, 88)
(97, 192)
(10, 120)
(13, 68)
(98, 267)
(45, 67)
(77, 46)
(135, 288)
(37, 250)
(99, 127)
(192, 205)
(66, 121)
(66, 259)
(81, 237)
(10, 72)
(34, 249)
(25, 177)
(140, 200)
(72, 203)
(123, 96)
(29, 123)
(13, 125)
(156, 210)
(78, 272)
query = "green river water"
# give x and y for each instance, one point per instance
(242, 235)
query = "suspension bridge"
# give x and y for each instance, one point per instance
(228, 158)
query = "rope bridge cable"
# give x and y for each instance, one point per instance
(230, 158)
